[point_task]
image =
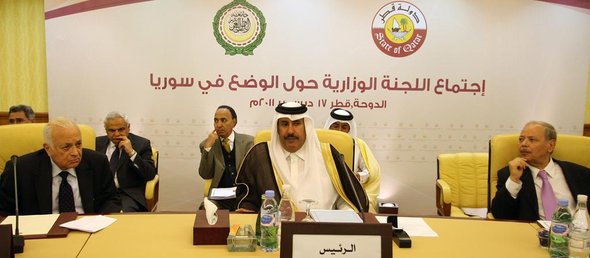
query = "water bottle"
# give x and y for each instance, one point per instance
(579, 235)
(269, 215)
(286, 211)
(558, 235)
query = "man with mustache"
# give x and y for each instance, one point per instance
(222, 153)
(294, 156)
(130, 159)
(61, 177)
(521, 184)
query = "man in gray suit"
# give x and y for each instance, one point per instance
(222, 153)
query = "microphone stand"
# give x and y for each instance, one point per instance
(18, 241)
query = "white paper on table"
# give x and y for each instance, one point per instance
(412, 226)
(348, 216)
(546, 224)
(89, 224)
(416, 227)
(223, 193)
(32, 224)
(479, 212)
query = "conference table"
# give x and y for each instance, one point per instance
(170, 235)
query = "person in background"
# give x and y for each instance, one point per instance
(295, 156)
(365, 167)
(130, 158)
(61, 177)
(222, 153)
(20, 114)
(528, 188)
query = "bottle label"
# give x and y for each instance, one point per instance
(578, 243)
(559, 229)
(267, 220)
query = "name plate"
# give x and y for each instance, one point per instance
(324, 239)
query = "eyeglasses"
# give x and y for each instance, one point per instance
(16, 120)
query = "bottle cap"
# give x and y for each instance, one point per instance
(562, 202)
(582, 198)
(269, 193)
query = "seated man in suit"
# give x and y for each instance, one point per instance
(20, 114)
(528, 188)
(222, 153)
(366, 168)
(130, 158)
(61, 177)
(294, 156)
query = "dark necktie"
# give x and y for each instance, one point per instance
(66, 195)
(115, 160)
(547, 196)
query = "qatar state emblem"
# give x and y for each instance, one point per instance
(239, 28)
(399, 29)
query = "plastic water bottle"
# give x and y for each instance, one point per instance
(286, 211)
(269, 215)
(560, 223)
(579, 245)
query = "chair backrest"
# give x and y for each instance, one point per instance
(152, 187)
(504, 147)
(343, 142)
(467, 175)
(20, 139)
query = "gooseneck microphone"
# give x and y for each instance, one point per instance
(18, 241)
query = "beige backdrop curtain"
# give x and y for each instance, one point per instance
(23, 73)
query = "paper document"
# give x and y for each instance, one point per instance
(32, 224)
(412, 226)
(89, 224)
(223, 193)
(335, 216)
(546, 224)
(478, 212)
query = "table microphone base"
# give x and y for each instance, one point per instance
(18, 244)
(401, 238)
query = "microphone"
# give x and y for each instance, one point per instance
(18, 241)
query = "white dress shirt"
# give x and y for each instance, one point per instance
(56, 181)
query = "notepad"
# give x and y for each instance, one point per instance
(347, 216)
(223, 193)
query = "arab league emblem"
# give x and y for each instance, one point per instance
(239, 28)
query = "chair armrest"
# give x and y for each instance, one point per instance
(443, 198)
(152, 193)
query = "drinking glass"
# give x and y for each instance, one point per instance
(308, 203)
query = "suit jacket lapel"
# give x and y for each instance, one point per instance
(43, 184)
(238, 147)
(102, 144)
(85, 186)
(570, 178)
(528, 192)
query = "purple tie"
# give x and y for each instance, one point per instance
(547, 196)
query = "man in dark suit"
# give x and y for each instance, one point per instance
(523, 184)
(222, 153)
(130, 158)
(61, 177)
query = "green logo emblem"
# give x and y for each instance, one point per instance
(239, 28)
